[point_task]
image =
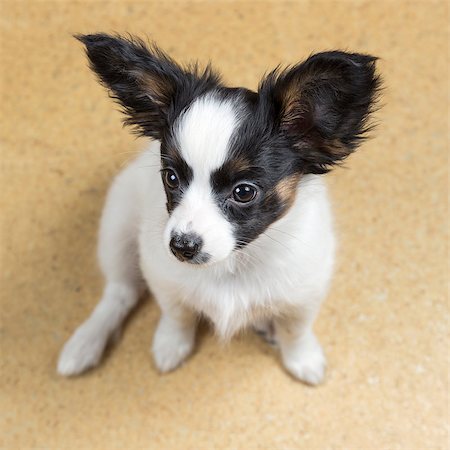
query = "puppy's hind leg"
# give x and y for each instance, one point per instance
(118, 255)
(266, 329)
(86, 346)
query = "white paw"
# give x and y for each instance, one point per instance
(307, 363)
(171, 346)
(82, 351)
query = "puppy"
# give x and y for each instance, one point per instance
(225, 215)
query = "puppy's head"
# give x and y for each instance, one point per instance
(231, 159)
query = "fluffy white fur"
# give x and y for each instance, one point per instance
(281, 277)
(203, 133)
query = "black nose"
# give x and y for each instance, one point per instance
(185, 246)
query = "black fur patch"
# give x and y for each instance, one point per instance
(261, 155)
(171, 159)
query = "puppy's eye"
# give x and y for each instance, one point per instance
(171, 179)
(244, 193)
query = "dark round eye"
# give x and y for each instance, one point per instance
(244, 193)
(171, 179)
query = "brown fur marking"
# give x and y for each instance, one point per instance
(239, 165)
(287, 188)
(158, 89)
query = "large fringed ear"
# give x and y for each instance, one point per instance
(143, 79)
(323, 105)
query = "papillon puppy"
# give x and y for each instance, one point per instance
(225, 215)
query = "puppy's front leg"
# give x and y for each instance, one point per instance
(174, 337)
(300, 350)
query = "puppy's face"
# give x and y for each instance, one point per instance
(231, 158)
(222, 191)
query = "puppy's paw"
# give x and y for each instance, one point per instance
(171, 346)
(307, 363)
(82, 351)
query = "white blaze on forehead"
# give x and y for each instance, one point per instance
(203, 133)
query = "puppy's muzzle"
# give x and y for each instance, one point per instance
(186, 247)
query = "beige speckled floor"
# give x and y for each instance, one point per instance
(385, 324)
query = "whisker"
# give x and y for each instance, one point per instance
(278, 242)
(297, 238)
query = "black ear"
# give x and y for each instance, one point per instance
(323, 104)
(144, 80)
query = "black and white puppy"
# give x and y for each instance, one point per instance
(225, 214)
